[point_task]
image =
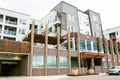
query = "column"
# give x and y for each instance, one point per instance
(32, 45)
(58, 49)
(78, 50)
(100, 51)
(117, 53)
(92, 62)
(46, 49)
(106, 53)
(69, 52)
(112, 52)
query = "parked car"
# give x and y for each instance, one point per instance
(114, 70)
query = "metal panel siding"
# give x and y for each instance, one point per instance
(95, 29)
(68, 9)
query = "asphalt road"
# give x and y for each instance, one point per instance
(64, 77)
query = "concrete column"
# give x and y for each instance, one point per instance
(32, 45)
(117, 53)
(78, 50)
(112, 52)
(106, 53)
(58, 49)
(69, 52)
(92, 62)
(46, 49)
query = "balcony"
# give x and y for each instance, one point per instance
(9, 38)
(14, 47)
(57, 20)
(11, 20)
(10, 30)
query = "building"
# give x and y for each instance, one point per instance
(113, 34)
(65, 39)
(14, 25)
(68, 38)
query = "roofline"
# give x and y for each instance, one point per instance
(93, 11)
(112, 28)
(14, 11)
(34, 19)
(65, 3)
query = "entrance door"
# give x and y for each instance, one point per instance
(10, 68)
(89, 63)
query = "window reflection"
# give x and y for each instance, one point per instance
(52, 61)
(38, 60)
(82, 45)
(63, 61)
(89, 45)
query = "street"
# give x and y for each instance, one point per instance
(64, 77)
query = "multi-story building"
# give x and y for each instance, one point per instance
(13, 25)
(69, 38)
(113, 34)
(65, 39)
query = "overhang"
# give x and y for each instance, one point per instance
(89, 55)
(40, 38)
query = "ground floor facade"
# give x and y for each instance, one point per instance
(75, 51)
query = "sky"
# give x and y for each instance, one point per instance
(109, 10)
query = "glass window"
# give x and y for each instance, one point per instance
(63, 61)
(50, 29)
(82, 45)
(23, 31)
(103, 48)
(38, 60)
(23, 21)
(52, 61)
(95, 46)
(89, 46)
(34, 61)
(19, 31)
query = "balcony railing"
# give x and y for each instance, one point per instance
(16, 47)
(10, 32)
(11, 22)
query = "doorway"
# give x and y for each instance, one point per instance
(88, 63)
(9, 68)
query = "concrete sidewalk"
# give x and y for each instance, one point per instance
(65, 77)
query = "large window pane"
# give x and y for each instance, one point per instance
(52, 61)
(95, 46)
(82, 45)
(38, 60)
(103, 48)
(89, 45)
(63, 61)
(34, 60)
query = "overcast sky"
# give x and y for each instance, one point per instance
(108, 9)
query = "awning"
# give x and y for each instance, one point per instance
(89, 55)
